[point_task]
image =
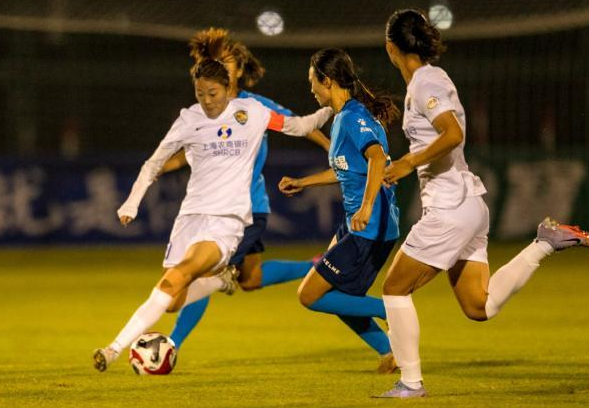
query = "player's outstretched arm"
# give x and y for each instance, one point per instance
(290, 186)
(319, 138)
(299, 125)
(149, 171)
(175, 162)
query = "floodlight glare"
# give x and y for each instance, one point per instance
(270, 23)
(441, 16)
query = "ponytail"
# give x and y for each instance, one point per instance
(380, 105)
(337, 65)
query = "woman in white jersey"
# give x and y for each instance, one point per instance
(452, 233)
(244, 70)
(221, 138)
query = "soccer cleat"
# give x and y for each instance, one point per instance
(561, 236)
(387, 364)
(400, 390)
(104, 357)
(229, 277)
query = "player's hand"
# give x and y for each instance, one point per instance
(125, 220)
(361, 218)
(290, 186)
(397, 170)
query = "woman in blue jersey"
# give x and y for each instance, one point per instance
(244, 72)
(338, 282)
(452, 233)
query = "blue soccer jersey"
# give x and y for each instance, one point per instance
(260, 201)
(353, 131)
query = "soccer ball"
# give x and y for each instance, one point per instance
(152, 353)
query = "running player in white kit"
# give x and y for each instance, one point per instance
(452, 233)
(221, 138)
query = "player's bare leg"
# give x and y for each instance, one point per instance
(481, 297)
(470, 282)
(250, 276)
(313, 285)
(225, 280)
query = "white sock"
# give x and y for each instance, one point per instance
(203, 287)
(404, 337)
(145, 317)
(511, 277)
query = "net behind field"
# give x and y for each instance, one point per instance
(100, 82)
(307, 23)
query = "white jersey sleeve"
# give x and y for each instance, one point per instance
(303, 125)
(432, 99)
(298, 126)
(171, 143)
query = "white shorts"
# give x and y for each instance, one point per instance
(226, 231)
(444, 236)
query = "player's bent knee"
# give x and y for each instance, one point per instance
(178, 302)
(475, 313)
(250, 278)
(305, 298)
(389, 288)
(249, 285)
(174, 281)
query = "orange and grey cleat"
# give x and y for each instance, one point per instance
(561, 236)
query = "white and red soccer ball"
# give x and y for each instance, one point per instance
(152, 353)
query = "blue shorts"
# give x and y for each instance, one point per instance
(352, 264)
(252, 239)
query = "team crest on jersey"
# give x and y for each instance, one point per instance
(241, 117)
(224, 132)
(362, 122)
(432, 102)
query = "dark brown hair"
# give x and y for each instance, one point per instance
(411, 31)
(337, 65)
(215, 44)
(211, 70)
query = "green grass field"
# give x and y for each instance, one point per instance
(264, 350)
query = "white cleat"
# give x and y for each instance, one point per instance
(104, 357)
(400, 390)
(229, 277)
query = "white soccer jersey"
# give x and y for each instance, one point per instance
(221, 154)
(445, 182)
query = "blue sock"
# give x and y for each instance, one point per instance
(342, 304)
(369, 331)
(274, 272)
(187, 319)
